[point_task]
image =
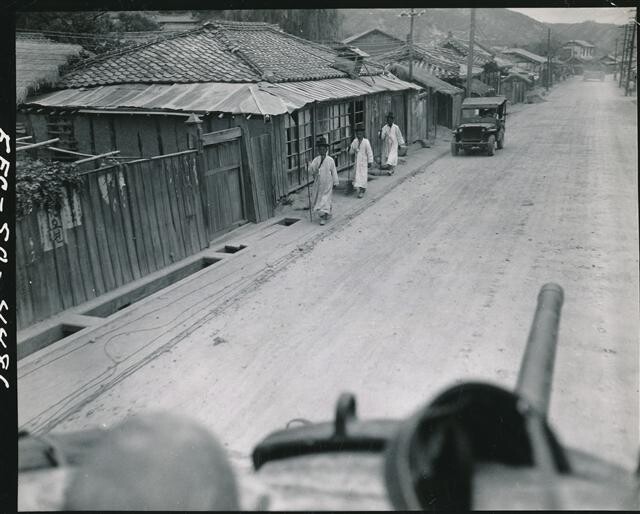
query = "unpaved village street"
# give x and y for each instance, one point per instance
(437, 283)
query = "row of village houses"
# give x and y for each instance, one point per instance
(255, 97)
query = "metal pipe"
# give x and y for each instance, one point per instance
(536, 370)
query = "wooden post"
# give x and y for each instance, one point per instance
(548, 59)
(194, 136)
(615, 60)
(411, 43)
(624, 53)
(630, 54)
(472, 29)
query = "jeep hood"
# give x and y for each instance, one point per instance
(477, 124)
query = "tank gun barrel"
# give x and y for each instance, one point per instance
(536, 369)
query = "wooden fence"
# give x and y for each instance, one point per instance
(124, 222)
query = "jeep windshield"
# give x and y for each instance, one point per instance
(473, 115)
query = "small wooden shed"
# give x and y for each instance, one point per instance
(515, 87)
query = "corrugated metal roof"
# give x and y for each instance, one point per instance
(248, 98)
(489, 101)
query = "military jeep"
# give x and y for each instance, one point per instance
(594, 74)
(481, 126)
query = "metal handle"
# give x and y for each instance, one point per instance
(536, 370)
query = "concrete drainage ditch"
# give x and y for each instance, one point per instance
(45, 334)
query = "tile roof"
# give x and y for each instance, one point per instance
(441, 61)
(461, 47)
(480, 88)
(216, 52)
(530, 56)
(423, 77)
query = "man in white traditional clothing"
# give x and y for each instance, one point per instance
(325, 177)
(361, 148)
(391, 139)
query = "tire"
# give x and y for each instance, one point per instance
(491, 146)
(501, 142)
(454, 149)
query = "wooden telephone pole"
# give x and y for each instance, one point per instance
(630, 54)
(624, 53)
(412, 14)
(472, 30)
(548, 59)
(615, 61)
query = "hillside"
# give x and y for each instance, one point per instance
(497, 26)
(603, 35)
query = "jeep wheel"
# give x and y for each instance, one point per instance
(491, 145)
(501, 142)
(454, 149)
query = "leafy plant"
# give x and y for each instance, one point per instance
(41, 184)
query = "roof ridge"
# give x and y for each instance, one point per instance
(130, 49)
(244, 24)
(307, 42)
(273, 28)
(356, 36)
(235, 50)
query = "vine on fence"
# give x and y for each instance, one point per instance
(41, 184)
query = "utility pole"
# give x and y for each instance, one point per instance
(472, 29)
(412, 14)
(624, 52)
(630, 54)
(615, 61)
(548, 58)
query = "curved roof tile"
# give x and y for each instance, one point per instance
(216, 52)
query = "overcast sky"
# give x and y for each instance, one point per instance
(616, 15)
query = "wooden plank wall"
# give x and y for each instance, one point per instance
(418, 109)
(223, 182)
(125, 222)
(134, 135)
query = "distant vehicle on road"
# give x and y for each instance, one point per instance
(482, 125)
(593, 75)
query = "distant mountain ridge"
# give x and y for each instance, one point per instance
(494, 26)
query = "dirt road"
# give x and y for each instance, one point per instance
(434, 283)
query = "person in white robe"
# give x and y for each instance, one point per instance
(391, 139)
(361, 148)
(325, 177)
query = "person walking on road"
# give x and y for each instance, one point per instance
(361, 148)
(325, 177)
(391, 139)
